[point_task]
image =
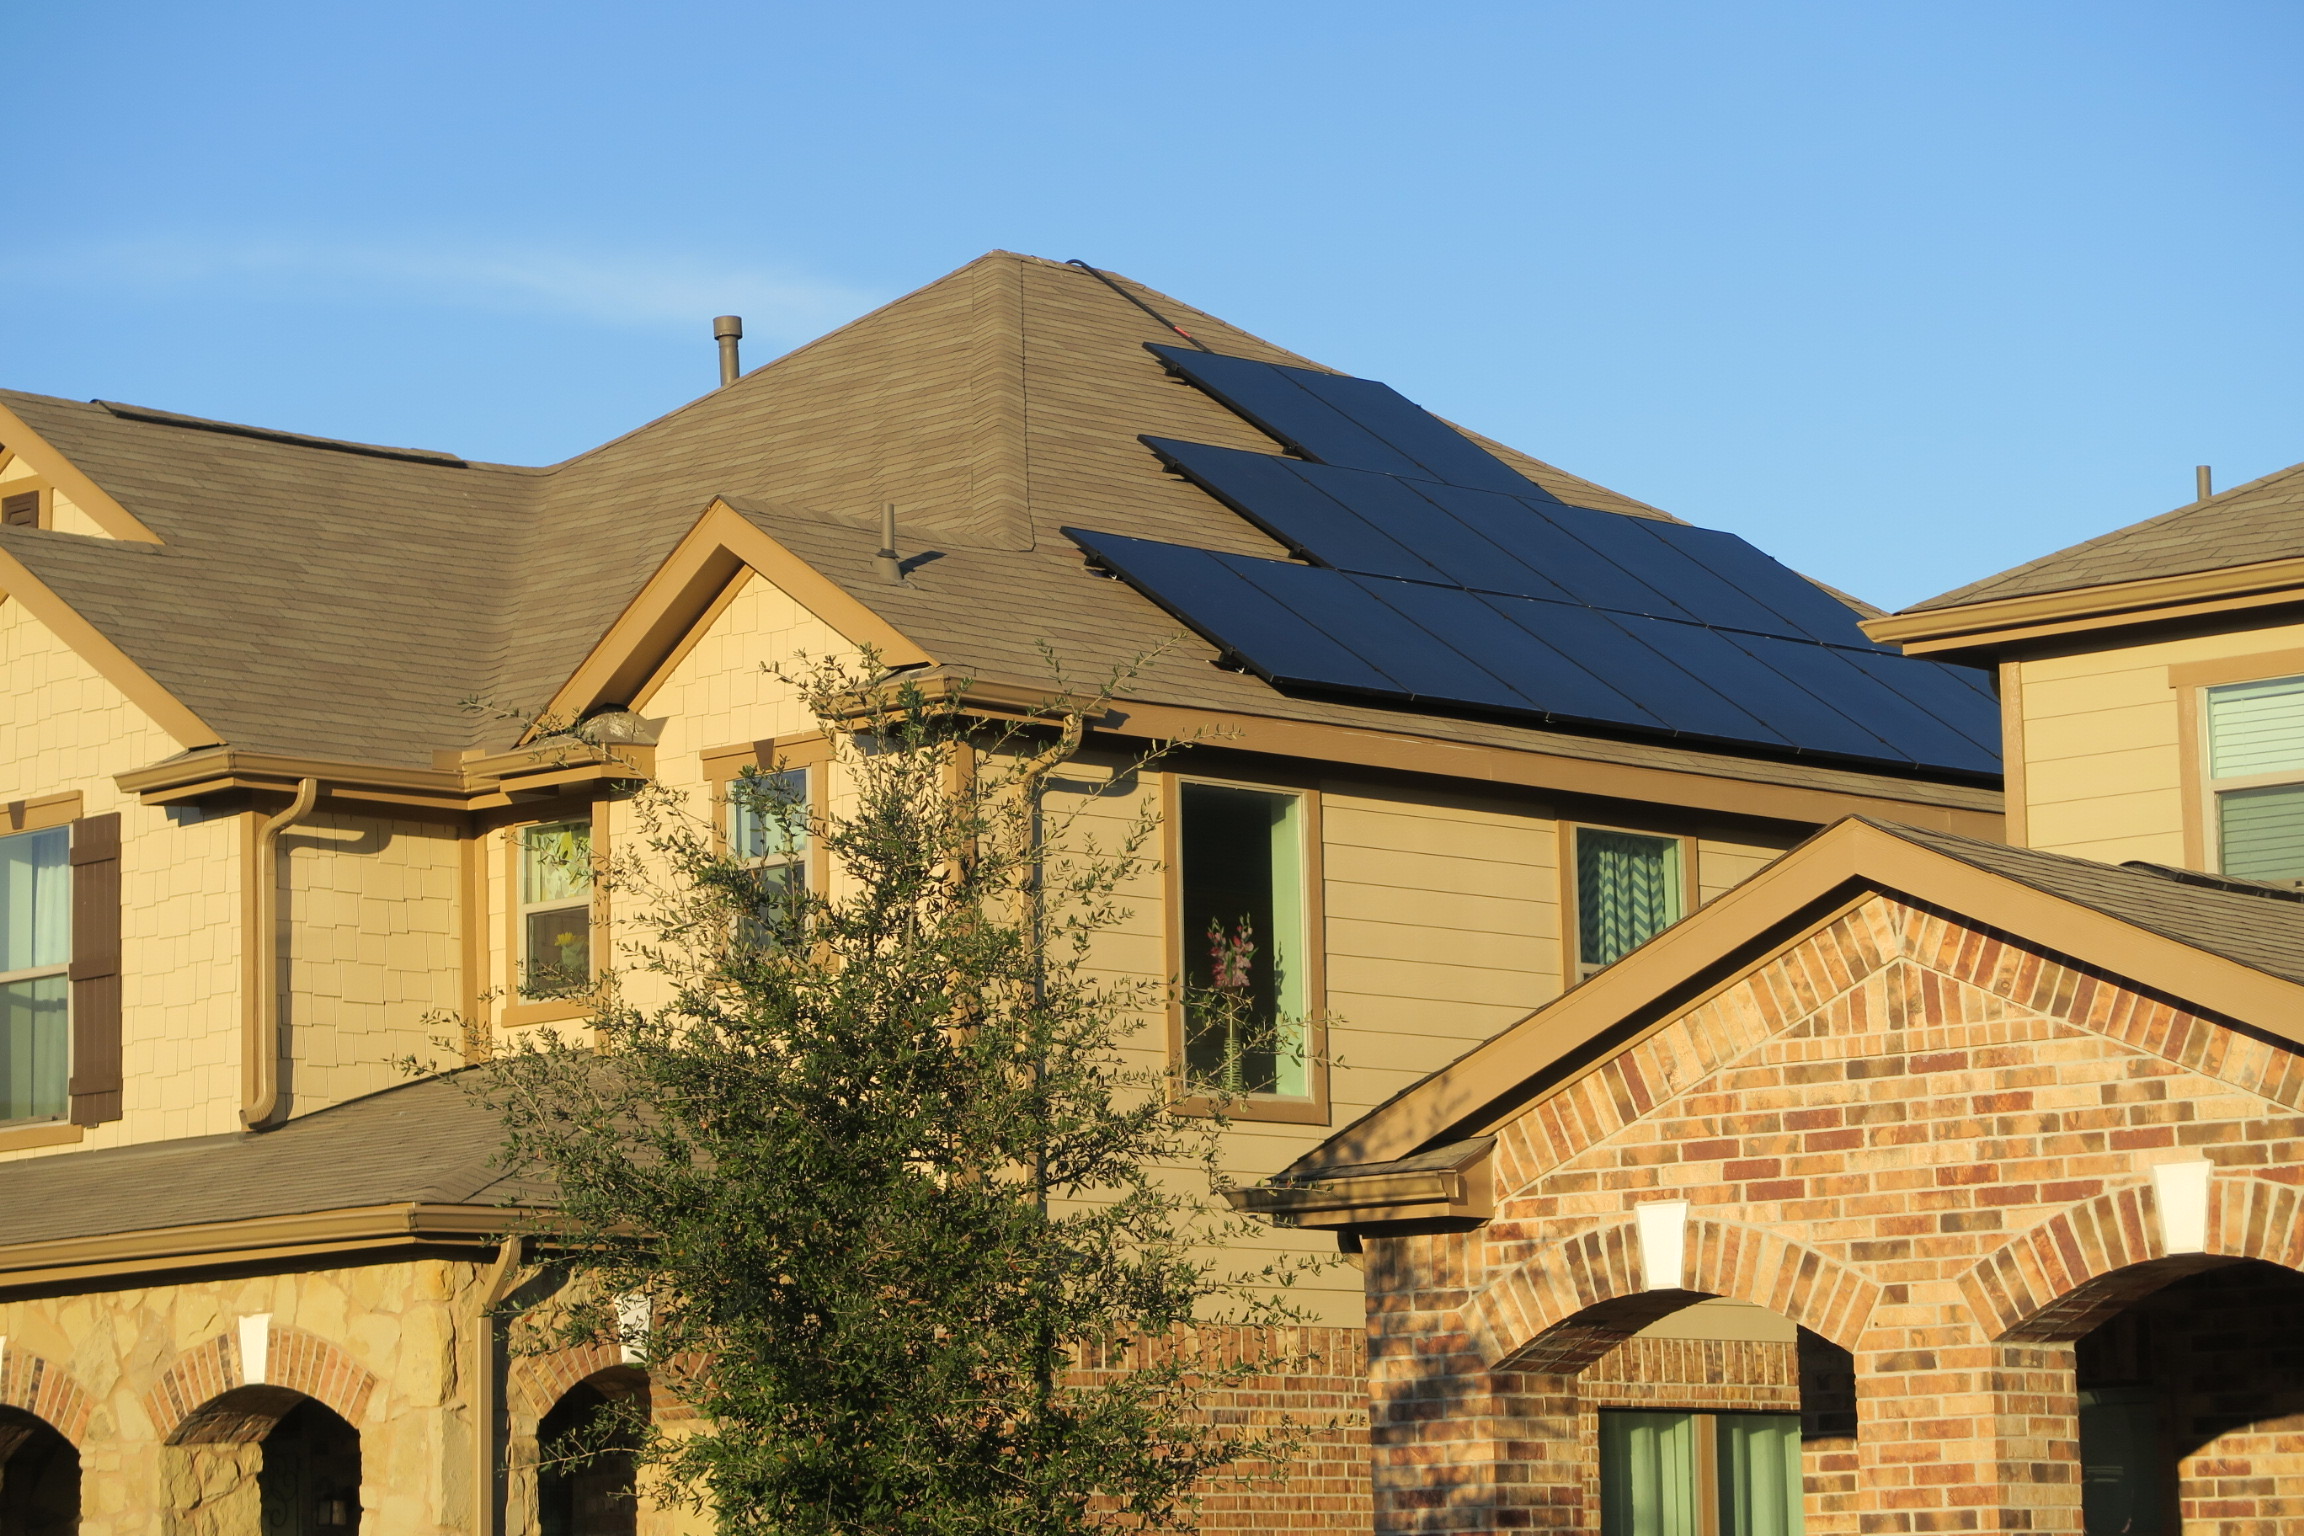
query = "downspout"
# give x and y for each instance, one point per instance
(262, 1045)
(502, 1276)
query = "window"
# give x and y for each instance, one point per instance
(1247, 959)
(35, 954)
(555, 909)
(1630, 887)
(1699, 1474)
(768, 813)
(2256, 777)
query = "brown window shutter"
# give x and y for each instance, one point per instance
(96, 969)
(21, 510)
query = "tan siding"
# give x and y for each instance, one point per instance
(63, 728)
(2103, 754)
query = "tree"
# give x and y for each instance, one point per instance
(875, 1178)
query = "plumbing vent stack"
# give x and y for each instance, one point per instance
(884, 562)
(2202, 482)
(728, 330)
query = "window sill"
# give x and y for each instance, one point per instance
(1270, 1111)
(554, 1011)
(39, 1133)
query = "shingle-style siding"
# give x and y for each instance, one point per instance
(64, 728)
(371, 937)
(1864, 1126)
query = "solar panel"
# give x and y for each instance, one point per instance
(1423, 643)
(1337, 419)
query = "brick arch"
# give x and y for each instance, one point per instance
(2059, 1279)
(299, 1363)
(45, 1390)
(535, 1382)
(1563, 1308)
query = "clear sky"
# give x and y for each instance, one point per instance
(1904, 292)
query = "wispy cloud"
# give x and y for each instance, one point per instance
(606, 287)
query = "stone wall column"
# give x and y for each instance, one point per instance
(1971, 1437)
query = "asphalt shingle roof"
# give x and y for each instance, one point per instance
(2262, 520)
(317, 601)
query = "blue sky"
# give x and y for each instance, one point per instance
(1905, 293)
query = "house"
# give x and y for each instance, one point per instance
(1989, 1153)
(1463, 729)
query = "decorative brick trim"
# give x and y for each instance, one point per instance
(536, 1382)
(299, 1362)
(1541, 1314)
(2059, 1279)
(45, 1390)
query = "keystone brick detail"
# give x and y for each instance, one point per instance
(298, 1363)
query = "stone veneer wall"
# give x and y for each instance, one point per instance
(1922, 1141)
(120, 1373)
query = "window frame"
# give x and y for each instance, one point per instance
(26, 818)
(1705, 1432)
(513, 1011)
(1314, 1107)
(2203, 824)
(809, 750)
(1573, 972)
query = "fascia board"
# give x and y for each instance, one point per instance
(69, 478)
(1748, 922)
(111, 663)
(1973, 626)
(1971, 812)
(680, 596)
(258, 1240)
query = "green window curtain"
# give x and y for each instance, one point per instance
(2256, 728)
(1759, 1474)
(1647, 1474)
(35, 899)
(1628, 890)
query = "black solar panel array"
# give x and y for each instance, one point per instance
(1441, 576)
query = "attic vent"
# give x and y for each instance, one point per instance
(2273, 889)
(266, 434)
(21, 510)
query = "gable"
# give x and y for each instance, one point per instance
(1904, 1047)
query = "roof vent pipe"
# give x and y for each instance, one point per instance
(728, 330)
(884, 561)
(2202, 482)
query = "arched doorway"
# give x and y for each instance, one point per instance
(2191, 1403)
(263, 1461)
(586, 1473)
(39, 1477)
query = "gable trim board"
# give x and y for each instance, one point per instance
(63, 475)
(1747, 927)
(671, 611)
(111, 663)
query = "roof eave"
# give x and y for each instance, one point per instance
(1977, 631)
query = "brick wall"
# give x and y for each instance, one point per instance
(1916, 1139)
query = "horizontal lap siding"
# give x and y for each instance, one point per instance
(2102, 748)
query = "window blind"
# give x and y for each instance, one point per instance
(2256, 728)
(1648, 1474)
(2261, 832)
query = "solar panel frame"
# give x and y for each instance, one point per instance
(1272, 401)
